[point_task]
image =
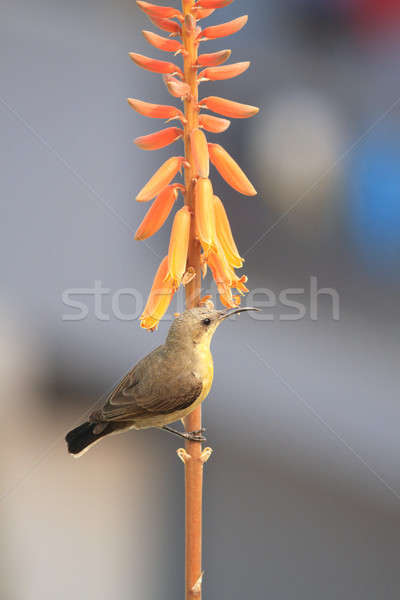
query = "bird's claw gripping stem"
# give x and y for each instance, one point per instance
(196, 436)
(192, 436)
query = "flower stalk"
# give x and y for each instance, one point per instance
(201, 235)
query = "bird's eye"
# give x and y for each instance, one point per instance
(206, 321)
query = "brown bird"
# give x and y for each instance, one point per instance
(163, 387)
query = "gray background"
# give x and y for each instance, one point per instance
(303, 491)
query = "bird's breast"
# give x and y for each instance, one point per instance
(204, 369)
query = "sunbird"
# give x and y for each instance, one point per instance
(163, 387)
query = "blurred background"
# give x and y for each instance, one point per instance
(303, 491)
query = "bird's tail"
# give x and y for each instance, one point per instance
(81, 438)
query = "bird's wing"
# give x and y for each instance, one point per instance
(155, 386)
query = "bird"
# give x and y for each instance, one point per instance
(163, 387)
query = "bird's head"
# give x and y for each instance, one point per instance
(198, 325)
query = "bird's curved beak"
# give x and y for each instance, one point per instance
(224, 314)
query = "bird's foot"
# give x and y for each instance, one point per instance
(195, 436)
(198, 431)
(192, 436)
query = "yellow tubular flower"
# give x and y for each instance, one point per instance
(226, 278)
(159, 299)
(178, 246)
(224, 235)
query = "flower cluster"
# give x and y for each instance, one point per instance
(202, 218)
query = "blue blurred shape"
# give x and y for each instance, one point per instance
(375, 202)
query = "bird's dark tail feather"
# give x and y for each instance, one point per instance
(80, 438)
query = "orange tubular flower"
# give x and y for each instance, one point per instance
(228, 108)
(155, 111)
(179, 245)
(214, 59)
(225, 72)
(220, 268)
(230, 170)
(160, 298)
(158, 213)
(224, 235)
(214, 3)
(162, 12)
(217, 31)
(205, 299)
(239, 285)
(162, 43)
(166, 25)
(161, 178)
(156, 66)
(201, 160)
(213, 124)
(222, 277)
(205, 216)
(160, 139)
(177, 88)
(202, 13)
(225, 278)
(226, 297)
